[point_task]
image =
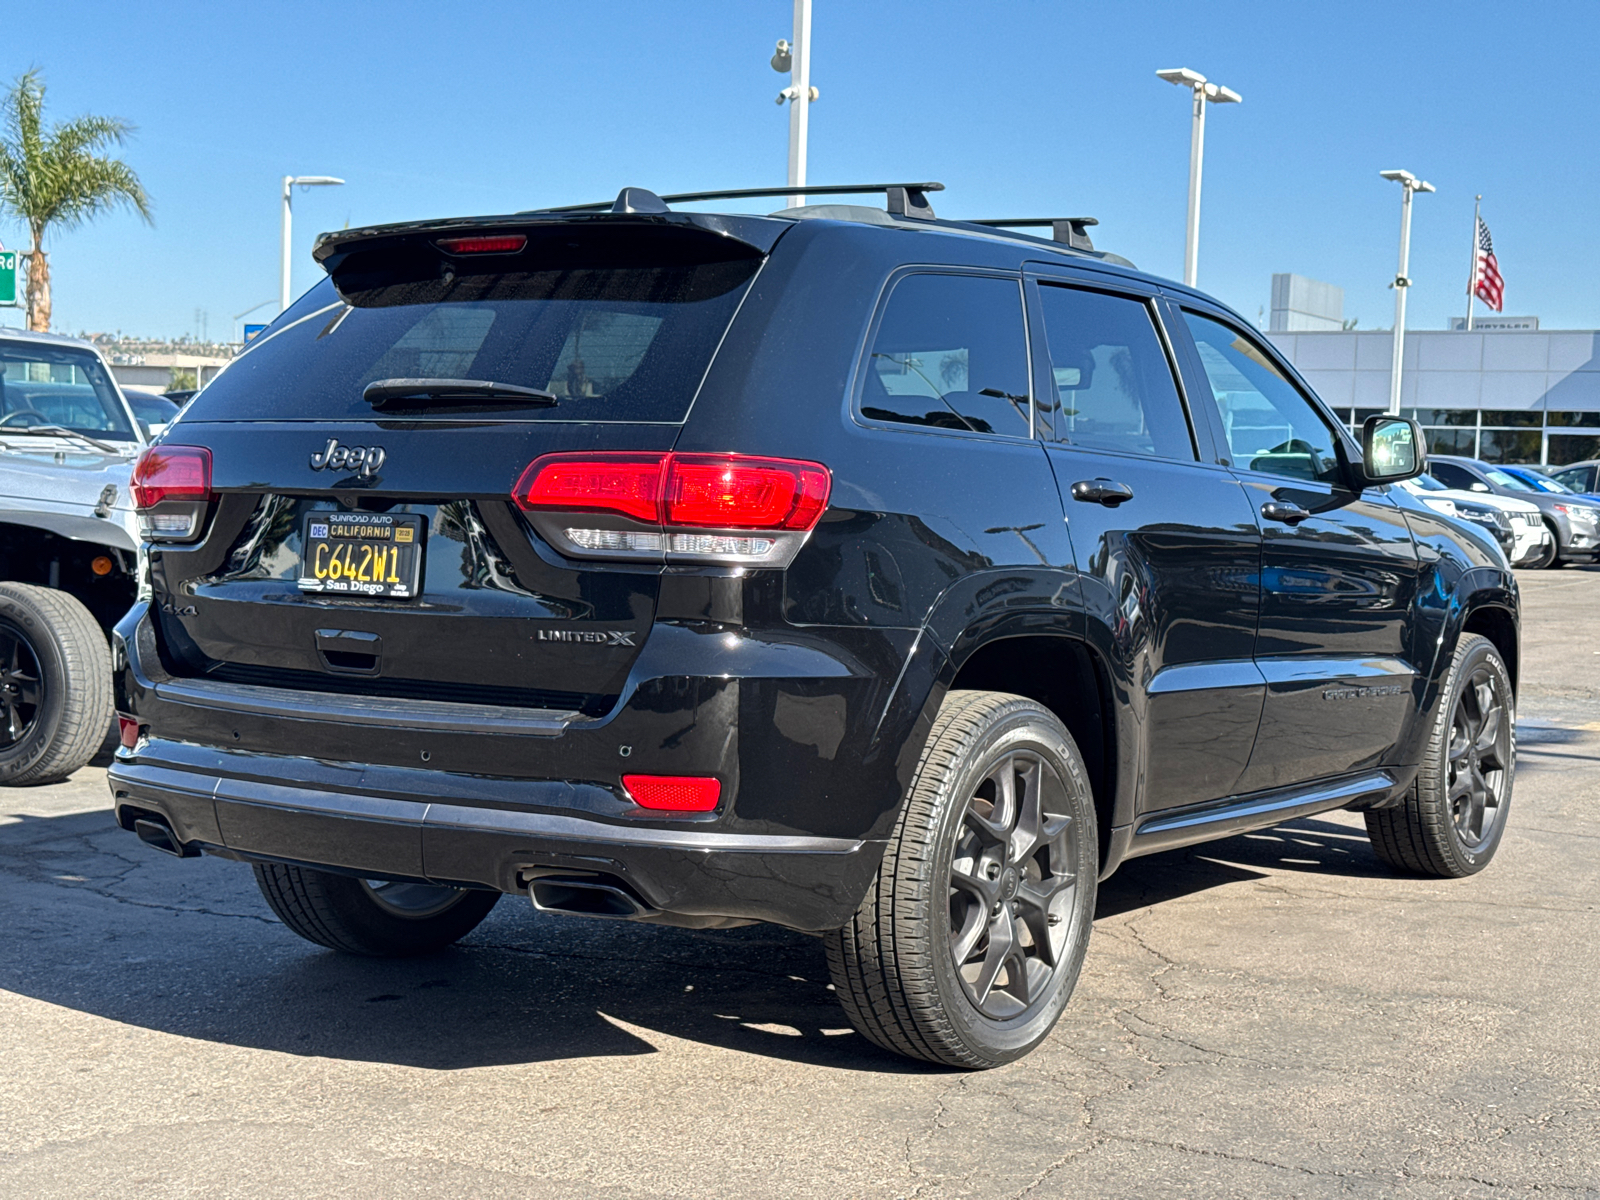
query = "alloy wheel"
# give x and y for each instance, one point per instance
(21, 691)
(1012, 886)
(1480, 758)
(411, 900)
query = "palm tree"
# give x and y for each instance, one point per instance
(58, 176)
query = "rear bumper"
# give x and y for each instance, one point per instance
(333, 818)
(338, 781)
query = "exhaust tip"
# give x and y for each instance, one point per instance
(157, 833)
(587, 898)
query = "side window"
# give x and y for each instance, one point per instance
(1112, 384)
(951, 353)
(1577, 478)
(1451, 475)
(1271, 427)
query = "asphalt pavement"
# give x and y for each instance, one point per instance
(1272, 1015)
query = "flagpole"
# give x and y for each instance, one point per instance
(1472, 277)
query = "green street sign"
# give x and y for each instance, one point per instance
(8, 277)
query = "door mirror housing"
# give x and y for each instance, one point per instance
(1392, 449)
(1480, 487)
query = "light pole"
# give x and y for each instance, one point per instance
(1204, 93)
(289, 182)
(1409, 183)
(796, 59)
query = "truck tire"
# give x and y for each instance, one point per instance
(55, 684)
(967, 946)
(1454, 815)
(372, 917)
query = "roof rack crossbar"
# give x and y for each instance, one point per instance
(911, 197)
(1071, 231)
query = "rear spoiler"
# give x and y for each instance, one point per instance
(713, 236)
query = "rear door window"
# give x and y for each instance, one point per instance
(1112, 381)
(627, 342)
(951, 353)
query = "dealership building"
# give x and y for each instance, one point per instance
(1506, 392)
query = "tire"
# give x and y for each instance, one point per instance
(1548, 556)
(1450, 824)
(374, 918)
(949, 883)
(55, 684)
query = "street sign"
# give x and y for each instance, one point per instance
(251, 332)
(8, 277)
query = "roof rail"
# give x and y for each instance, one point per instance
(1071, 231)
(903, 199)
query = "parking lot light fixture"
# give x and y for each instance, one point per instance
(290, 182)
(1204, 92)
(1409, 184)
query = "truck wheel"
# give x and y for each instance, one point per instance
(1452, 819)
(967, 946)
(55, 684)
(374, 917)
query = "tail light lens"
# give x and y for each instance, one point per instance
(674, 793)
(711, 508)
(494, 243)
(171, 487)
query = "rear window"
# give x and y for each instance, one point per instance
(611, 342)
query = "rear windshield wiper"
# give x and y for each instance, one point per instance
(63, 431)
(382, 392)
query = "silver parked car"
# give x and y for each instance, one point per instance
(69, 557)
(1573, 521)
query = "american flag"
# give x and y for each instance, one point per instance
(1486, 282)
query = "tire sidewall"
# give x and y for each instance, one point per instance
(1470, 861)
(42, 639)
(1023, 727)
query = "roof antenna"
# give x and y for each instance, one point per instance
(638, 200)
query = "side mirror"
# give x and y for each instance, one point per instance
(1480, 487)
(1392, 449)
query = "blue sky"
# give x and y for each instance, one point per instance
(1021, 108)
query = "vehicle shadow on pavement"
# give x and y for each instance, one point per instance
(101, 924)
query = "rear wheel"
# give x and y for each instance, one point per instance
(373, 917)
(55, 684)
(968, 945)
(1454, 816)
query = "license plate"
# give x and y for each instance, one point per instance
(362, 554)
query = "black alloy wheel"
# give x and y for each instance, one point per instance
(1479, 758)
(21, 686)
(1011, 886)
(966, 948)
(1451, 820)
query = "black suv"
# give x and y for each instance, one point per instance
(883, 577)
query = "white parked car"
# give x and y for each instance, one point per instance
(1531, 546)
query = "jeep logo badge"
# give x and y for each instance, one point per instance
(363, 460)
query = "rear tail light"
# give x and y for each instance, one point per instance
(714, 508)
(674, 793)
(127, 731)
(171, 487)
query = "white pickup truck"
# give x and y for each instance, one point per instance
(69, 549)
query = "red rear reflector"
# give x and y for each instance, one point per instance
(507, 243)
(629, 484)
(171, 473)
(674, 793)
(728, 492)
(128, 730)
(708, 491)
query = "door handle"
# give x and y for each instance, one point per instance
(1286, 511)
(1102, 491)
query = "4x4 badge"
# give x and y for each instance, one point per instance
(364, 460)
(602, 637)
